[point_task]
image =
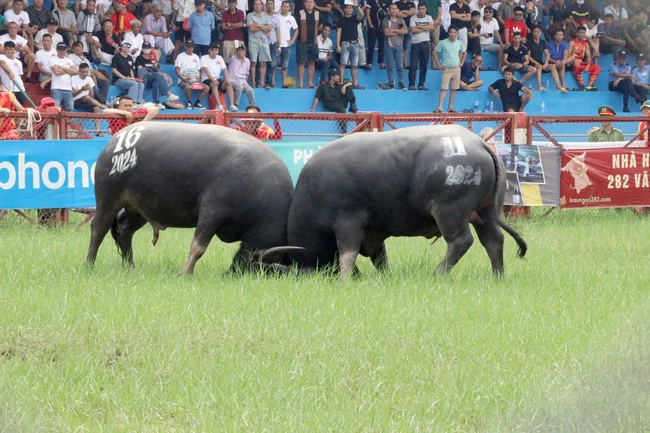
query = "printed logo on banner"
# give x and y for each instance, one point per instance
(578, 170)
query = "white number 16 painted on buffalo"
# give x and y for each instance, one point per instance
(131, 138)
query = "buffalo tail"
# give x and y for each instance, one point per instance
(115, 232)
(520, 241)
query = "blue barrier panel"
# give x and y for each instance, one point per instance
(60, 173)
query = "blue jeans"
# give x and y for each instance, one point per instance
(272, 65)
(134, 89)
(64, 96)
(349, 54)
(324, 67)
(394, 57)
(155, 82)
(285, 53)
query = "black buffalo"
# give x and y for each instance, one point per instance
(221, 181)
(420, 181)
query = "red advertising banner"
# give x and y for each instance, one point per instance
(599, 178)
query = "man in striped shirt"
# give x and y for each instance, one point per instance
(325, 60)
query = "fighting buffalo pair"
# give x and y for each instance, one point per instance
(350, 197)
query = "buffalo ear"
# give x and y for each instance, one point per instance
(271, 255)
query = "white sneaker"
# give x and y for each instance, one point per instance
(172, 97)
(189, 106)
(220, 107)
(160, 106)
(233, 108)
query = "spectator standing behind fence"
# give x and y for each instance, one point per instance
(325, 60)
(238, 68)
(307, 47)
(453, 55)
(580, 57)
(347, 43)
(232, 25)
(605, 133)
(474, 34)
(181, 11)
(540, 59)
(507, 88)
(406, 11)
(8, 103)
(155, 25)
(201, 25)
(335, 96)
(286, 23)
(21, 50)
(642, 73)
(470, 78)
(421, 28)
(376, 11)
(63, 69)
(273, 38)
(212, 65)
(394, 30)
(622, 80)
(125, 109)
(259, 24)
(43, 59)
(460, 18)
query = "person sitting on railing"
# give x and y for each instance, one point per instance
(8, 103)
(125, 109)
(257, 127)
(605, 133)
(335, 96)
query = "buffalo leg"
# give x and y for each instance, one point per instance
(459, 238)
(380, 258)
(492, 239)
(128, 222)
(99, 226)
(202, 237)
(348, 243)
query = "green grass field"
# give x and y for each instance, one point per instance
(562, 344)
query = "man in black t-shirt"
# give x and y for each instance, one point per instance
(148, 70)
(539, 58)
(376, 11)
(508, 89)
(106, 41)
(406, 11)
(517, 58)
(347, 41)
(460, 18)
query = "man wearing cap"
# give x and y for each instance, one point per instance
(188, 71)
(123, 77)
(232, 25)
(622, 80)
(642, 73)
(238, 68)
(605, 133)
(63, 69)
(335, 96)
(212, 65)
(201, 25)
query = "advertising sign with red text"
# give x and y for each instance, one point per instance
(599, 178)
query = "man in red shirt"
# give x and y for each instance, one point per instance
(515, 24)
(232, 25)
(257, 127)
(580, 56)
(125, 109)
(121, 18)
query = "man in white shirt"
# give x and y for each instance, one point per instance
(51, 29)
(188, 66)
(325, 60)
(19, 16)
(44, 59)
(83, 93)
(490, 26)
(10, 71)
(136, 39)
(286, 23)
(102, 82)
(63, 69)
(22, 49)
(212, 65)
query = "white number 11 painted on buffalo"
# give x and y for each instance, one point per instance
(131, 138)
(453, 146)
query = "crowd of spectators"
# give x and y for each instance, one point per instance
(234, 46)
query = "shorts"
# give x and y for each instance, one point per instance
(80, 104)
(306, 53)
(222, 88)
(515, 107)
(181, 34)
(466, 80)
(450, 75)
(258, 52)
(522, 69)
(186, 86)
(285, 53)
(350, 53)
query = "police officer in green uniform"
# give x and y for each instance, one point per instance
(605, 132)
(335, 96)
